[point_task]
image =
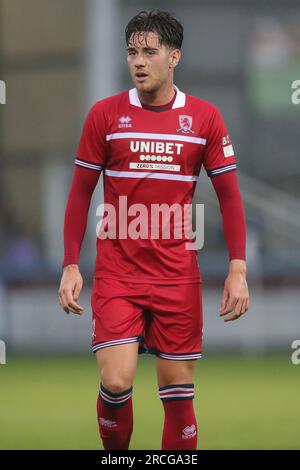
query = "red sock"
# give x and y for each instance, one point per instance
(180, 426)
(115, 418)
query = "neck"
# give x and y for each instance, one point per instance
(158, 97)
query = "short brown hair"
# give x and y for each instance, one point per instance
(167, 27)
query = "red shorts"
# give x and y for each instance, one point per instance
(165, 319)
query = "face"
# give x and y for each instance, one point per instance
(150, 64)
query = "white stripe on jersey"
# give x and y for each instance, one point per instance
(222, 170)
(91, 166)
(149, 135)
(146, 174)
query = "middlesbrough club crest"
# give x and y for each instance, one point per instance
(185, 123)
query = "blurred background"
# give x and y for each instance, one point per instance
(57, 58)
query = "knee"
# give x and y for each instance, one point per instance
(116, 384)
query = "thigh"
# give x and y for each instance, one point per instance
(117, 366)
(175, 372)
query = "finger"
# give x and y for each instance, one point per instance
(224, 300)
(230, 305)
(231, 309)
(63, 302)
(244, 307)
(238, 308)
(69, 304)
(231, 317)
(75, 307)
(77, 290)
(77, 312)
(237, 311)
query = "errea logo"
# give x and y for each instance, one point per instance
(189, 432)
(125, 121)
(107, 423)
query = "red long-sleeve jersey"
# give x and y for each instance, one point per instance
(151, 155)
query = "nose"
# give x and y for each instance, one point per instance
(139, 60)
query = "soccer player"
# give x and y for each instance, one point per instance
(151, 142)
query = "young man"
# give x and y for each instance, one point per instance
(151, 142)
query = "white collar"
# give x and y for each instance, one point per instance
(178, 103)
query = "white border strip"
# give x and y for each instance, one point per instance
(221, 170)
(115, 399)
(114, 402)
(177, 395)
(180, 358)
(105, 344)
(148, 135)
(91, 166)
(146, 174)
(177, 389)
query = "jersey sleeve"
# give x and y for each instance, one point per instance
(91, 152)
(219, 155)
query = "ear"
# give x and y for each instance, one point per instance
(175, 56)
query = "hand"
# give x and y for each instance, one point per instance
(235, 299)
(70, 288)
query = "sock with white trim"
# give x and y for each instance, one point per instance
(180, 425)
(115, 418)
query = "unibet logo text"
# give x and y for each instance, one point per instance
(155, 152)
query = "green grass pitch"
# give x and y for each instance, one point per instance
(241, 403)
